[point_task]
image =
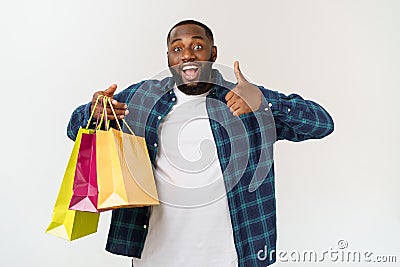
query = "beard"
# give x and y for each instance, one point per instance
(199, 87)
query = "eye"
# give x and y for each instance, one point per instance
(177, 49)
(197, 47)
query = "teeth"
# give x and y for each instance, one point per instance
(190, 67)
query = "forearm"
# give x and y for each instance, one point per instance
(81, 115)
(79, 118)
(298, 119)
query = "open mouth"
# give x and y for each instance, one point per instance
(190, 71)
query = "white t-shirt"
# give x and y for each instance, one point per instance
(191, 226)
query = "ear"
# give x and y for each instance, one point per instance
(214, 53)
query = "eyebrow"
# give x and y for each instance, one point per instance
(193, 37)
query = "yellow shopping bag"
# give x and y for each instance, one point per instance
(71, 224)
(124, 173)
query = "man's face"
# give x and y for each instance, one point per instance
(190, 57)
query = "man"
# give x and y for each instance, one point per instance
(213, 212)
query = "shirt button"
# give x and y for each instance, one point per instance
(144, 226)
(159, 117)
(173, 99)
(270, 104)
(288, 110)
(170, 92)
(266, 109)
(155, 145)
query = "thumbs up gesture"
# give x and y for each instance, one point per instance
(245, 97)
(119, 108)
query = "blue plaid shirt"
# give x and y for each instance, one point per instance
(244, 148)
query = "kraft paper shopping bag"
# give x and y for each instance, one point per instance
(124, 173)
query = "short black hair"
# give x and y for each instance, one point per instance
(208, 31)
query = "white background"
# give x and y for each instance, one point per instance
(343, 54)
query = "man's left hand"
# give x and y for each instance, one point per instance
(245, 97)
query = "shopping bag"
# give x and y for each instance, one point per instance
(124, 173)
(65, 223)
(84, 197)
(85, 192)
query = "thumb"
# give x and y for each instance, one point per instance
(239, 76)
(110, 91)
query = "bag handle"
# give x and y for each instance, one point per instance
(107, 99)
(98, 124)
(105, 113)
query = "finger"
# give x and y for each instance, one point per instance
(110, 91)
(118, 112)
(118, 105)
(231, 102)
(99, 112)
(237, 112)
(232, 95)
(241, 111)
(239, 76)
(234, 107)
(229, 95)
(112, 117)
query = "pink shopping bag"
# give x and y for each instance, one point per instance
(85, 191)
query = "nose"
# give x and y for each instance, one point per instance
(188, 55)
